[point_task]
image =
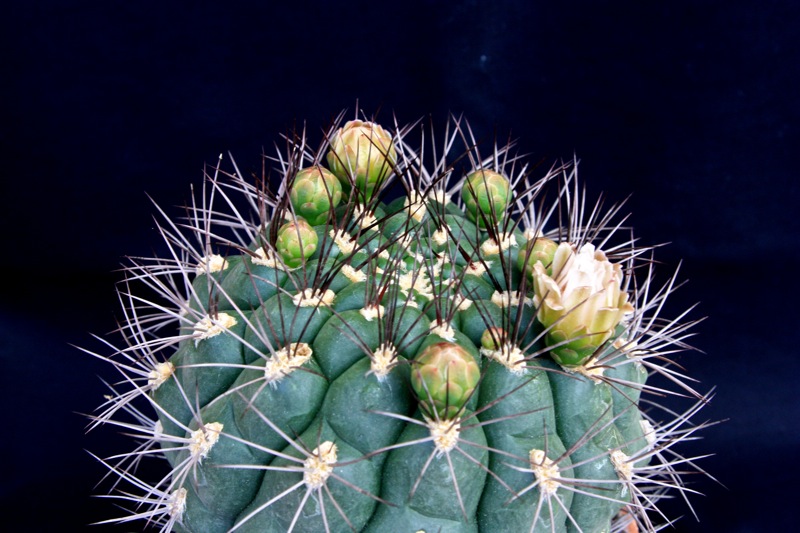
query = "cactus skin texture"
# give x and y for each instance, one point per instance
(472, 355)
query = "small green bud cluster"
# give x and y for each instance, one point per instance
(361, 156)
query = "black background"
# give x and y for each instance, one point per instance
(690, 106)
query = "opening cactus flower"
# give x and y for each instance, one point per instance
(315, 192)
(297, 241)
(581, 303)
(362, 153)
(486, 196)
(444, 379)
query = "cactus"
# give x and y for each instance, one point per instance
(398, 344)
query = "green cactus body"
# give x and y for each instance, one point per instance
(392, 367)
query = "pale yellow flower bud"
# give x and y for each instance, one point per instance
(362, 154)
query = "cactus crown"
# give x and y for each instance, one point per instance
(413, 338)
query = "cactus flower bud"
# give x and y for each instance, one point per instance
(296, 242)
(493, 338)
(486, 195)
(581, 303)
(362, 153)
(539, 250)
(315, 192)
(444, 378)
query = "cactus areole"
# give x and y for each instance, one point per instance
(397, 337)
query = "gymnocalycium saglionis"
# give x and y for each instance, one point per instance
(373, 334)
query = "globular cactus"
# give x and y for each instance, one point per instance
(389, 338)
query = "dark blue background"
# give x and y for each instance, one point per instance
(692, 107)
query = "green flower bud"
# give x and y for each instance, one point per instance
(362, 153)
(296, 242)
(539, 250)
(486, 195)
(444, 377)
(492, 338)
(315, 192)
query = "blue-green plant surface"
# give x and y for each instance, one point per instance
(397, 329)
